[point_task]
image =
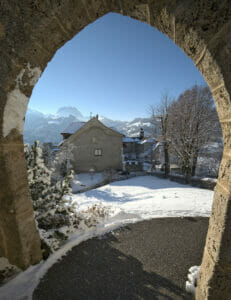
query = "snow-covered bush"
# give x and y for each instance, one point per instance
(191, 283)
(56, 214)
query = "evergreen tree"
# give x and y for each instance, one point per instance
(52, 208)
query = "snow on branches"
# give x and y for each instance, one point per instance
(55, 212)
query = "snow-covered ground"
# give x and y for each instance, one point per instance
(148, 197)
(128, 201)
(86, 180)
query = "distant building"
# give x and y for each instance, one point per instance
(92, 146)
(137, 151)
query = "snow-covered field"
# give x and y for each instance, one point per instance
(128, 201)
(148, 197)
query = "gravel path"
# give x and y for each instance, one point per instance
(145, 260)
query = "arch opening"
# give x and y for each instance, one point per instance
(26, 58)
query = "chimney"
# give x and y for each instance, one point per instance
(97, 116)
(141, 134)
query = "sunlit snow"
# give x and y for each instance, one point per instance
(129, 201)
(148, 197)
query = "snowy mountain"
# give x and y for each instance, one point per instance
(131, 128)
(47, 128)
(67, 111)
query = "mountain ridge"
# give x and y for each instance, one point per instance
(47, 127)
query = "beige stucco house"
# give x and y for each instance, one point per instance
(92, 146)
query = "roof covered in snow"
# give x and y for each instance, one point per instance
(148, 140)
(131, 139)
(138, 141)
(73, 127)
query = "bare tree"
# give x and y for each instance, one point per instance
(191, 123)
(160, 120)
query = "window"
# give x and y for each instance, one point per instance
(98, 152)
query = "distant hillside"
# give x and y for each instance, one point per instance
(47, 128)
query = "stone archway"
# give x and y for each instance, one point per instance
(31, 32)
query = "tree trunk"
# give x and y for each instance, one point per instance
(187, 175)
(194, 163)
(166, 160)
(186, 169)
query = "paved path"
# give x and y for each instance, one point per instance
(146, 260)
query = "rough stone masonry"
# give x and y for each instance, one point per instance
(30, 34)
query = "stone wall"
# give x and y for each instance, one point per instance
(30, 34)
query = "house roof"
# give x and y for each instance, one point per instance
(138, 140)
(127, 139)
(76, 128)
(147, 140)
(73, 127)
(115, 129)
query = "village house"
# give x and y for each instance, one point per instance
(137, 151)
(92, 147)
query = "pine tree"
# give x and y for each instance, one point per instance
(39, 177)
(51, 206)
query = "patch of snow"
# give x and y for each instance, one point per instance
(14, 112)
(16, 105)
(209, 179)
(137, 124)
(191, 283)
(130, 162)
(149, 140)
(85, 180)
(53, 122)
(146, 124)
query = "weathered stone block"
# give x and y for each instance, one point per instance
(210, 70)
(214, 277)
(189, 41)
(225, 173)
(221, 52)
(20, 241)
(223, 104)
(227, 137)
(164, 21)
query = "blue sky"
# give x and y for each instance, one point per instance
(115, 67)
